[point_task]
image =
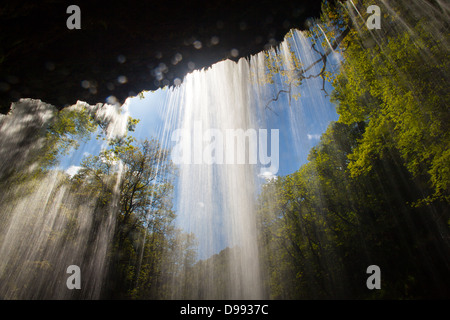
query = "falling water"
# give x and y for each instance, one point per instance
(217, 199)
(45, 227)
(216, 196)
(215, 193)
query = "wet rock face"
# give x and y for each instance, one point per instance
(125, 47)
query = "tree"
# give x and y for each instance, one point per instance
(326, 35)
(376, 186)
(138, 178)
(321, 228)
(58, 226)
(399, 88)
(116, 209)
(35, 136)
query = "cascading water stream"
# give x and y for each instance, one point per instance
(225, 141)
(45, 226)
(223, 126)
(216, 199)
(229, 128)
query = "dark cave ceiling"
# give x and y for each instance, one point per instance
(126, 47)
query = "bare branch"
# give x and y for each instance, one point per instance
(301, 73)
(276, 98)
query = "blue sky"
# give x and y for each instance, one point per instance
(292, 153)
(300, 124)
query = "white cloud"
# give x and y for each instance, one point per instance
(72, 170)
(268, 175)
(313, 136)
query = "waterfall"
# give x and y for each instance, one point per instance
(225, 141)
(229, 128)
(224, 127)
(216, 199)
(45, 226)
